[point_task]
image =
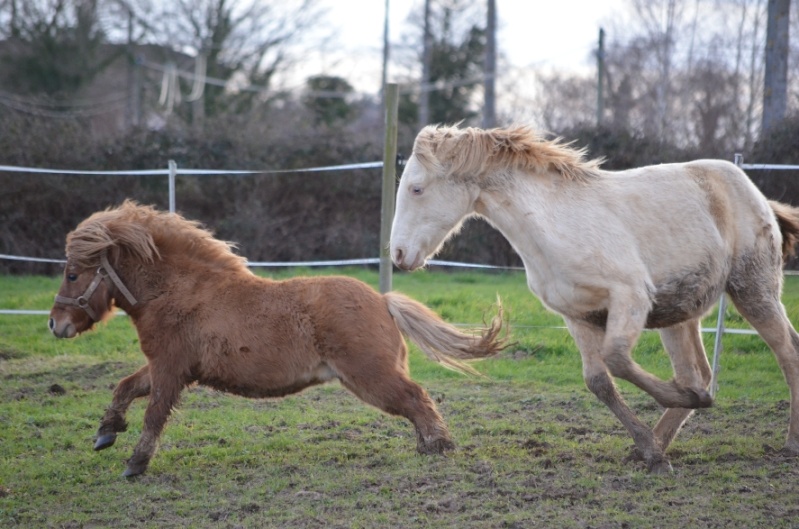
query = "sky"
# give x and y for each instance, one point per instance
(531, 33)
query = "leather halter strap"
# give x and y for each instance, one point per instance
(105, 270)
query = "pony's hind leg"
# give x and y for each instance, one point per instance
(129, 388)
(383, 382)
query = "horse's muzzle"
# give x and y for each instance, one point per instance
(401, 260)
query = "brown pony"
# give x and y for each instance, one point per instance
(202, 316)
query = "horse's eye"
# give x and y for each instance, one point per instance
(72, 277)
(417, 190)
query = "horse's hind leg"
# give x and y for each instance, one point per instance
(684, 344)
(767, 315)
(129, 388)
(383, 382)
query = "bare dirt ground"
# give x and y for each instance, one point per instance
(525, 458)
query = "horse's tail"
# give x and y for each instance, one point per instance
(788, 220)
(441, 341)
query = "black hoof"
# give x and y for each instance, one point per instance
(104, 441)
(132, 472)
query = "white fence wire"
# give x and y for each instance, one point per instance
(173, 170)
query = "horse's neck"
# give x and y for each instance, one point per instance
(523, 216)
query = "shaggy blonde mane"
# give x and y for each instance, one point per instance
(146, 234)
(473, 152)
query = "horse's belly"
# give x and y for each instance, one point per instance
(676, 301)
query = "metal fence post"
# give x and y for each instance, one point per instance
(389, 184)
(173, 170)
(717, 344)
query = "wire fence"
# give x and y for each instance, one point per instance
(172, 171)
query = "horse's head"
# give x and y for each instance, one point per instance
(85, 297)
(432, 201)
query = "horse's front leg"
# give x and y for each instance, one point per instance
(129, 388)
(164, 395)
(589, 340)
(684, 344)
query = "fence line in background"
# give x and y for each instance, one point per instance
(385, 277)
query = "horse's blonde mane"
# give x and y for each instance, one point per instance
(146, 234)
(473, 152)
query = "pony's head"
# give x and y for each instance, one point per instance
(91, 283)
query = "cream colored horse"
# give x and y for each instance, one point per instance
(614, 253)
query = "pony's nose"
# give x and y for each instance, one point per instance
(51, 324)
(398, 256)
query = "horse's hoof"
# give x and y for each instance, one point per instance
(104, 441)
(688, 398)
(702, 398)
(437, 446)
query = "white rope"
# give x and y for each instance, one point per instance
(195, 172)
(769, 167)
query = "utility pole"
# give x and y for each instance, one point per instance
(490, 69)
(775, 89)
(600, 68)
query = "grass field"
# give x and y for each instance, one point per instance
(535, 448)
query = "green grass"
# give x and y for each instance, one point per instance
(535, 448)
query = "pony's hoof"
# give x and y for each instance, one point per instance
(136, 465)
(437, 446)
(104, 441)
(661, 468)
(134, 470)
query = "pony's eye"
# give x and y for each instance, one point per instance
(417, 190)
(72, 277)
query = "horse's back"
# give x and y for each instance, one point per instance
(703, 205)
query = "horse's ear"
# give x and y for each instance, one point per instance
(447, 147)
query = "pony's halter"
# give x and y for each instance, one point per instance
(105, 270)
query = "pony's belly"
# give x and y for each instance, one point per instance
(266, 385)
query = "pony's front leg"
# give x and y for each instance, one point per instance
(129, 388)
(589, 341)
(164, 396)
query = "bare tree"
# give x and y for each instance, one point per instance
(775, 89)
(490, 69)
(251, 39)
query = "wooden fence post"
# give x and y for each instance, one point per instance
(389, 183)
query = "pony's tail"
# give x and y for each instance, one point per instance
(441, 341)
(788, 220)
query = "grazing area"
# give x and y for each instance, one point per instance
(534, 446)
